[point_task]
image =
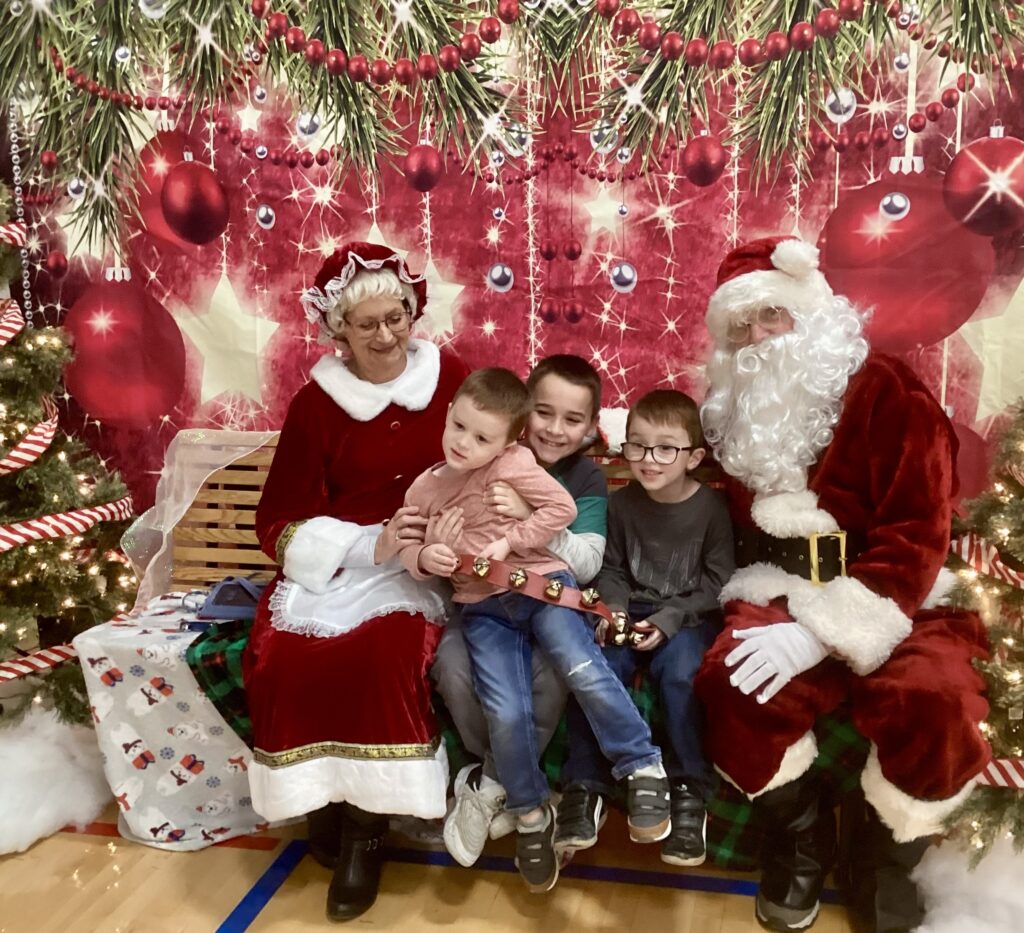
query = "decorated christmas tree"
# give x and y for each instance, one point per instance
(990, 563)
(61, 511)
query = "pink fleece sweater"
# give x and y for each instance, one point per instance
(441, 488)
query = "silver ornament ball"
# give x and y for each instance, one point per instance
(76, 188)
(623, 155)
(259, 94)
(16, 7)
(497, 158)
(840, 106)
(899, 131)
(603, 138)
(904, 19)
(500, 277)
(902, 62)
(260, 151)
(517, 139)
(122, 55)
(153, 9)
(308, 124)
(265, 216)
(623, 210)
(623, 277)
(498, 213)
(894, 206)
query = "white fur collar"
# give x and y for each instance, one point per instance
(791, 515)
(363, 400)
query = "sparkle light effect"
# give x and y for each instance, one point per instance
(530, 197)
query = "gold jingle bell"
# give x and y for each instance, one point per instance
(590, 597)
(517, 578)
(553, 590)
(620, 624)
(481, 567)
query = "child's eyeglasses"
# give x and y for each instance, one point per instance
(665, 454)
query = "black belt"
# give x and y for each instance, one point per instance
(818, 557)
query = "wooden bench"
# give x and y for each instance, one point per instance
(216, 537)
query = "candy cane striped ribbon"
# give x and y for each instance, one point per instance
(1004, 772)
(36, 663)
(11, 320)
(63, 524)
(30, 448)
(983, 556)
(14, 233)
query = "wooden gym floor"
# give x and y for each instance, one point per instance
(95, 882)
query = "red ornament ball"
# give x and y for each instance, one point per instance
(850, 10)
(917, 122)
(56, 264)
(703, 160)
(381, 71)
(549, 309)
(862, 140)
(405, 72)
(315, 52)
(573, 311)
(295, 39)
(950, 98)
(449, 57)
(508, 11)
(129, 363)
(934, 111)
(426, 66)
(358, 68)
(696, 53)
(842, 141)
(259, 8)
(194, 203)
(672, 46)
(722, 55)
(469, 46)
(423, 167)
(606, 9)
(649, 36)
(626, 23)
(548, 250)
(965, 82)
(801, 36)
(921, 272)
(572, 250)
(277, 25)
(776, 46)
(880, 137)
(337, 62)
(489, 29)
(984, 186)
(750, 53)
(48, 159)
(827, 23)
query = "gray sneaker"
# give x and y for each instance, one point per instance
(649, 808)
(535, 855)
(466, 828)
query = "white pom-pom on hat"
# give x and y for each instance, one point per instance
(797, 258)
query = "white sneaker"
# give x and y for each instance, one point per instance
(467, 826)
(503, 824)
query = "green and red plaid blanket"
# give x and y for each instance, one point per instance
(734, 836)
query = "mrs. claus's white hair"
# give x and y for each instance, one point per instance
(368, 283)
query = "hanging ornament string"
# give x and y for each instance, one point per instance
(533, 341)
(14, 134)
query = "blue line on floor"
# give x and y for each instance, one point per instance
(660, 879)
(259, 895)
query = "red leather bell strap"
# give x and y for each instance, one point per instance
(508, 576)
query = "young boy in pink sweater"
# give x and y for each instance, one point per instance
(479, 443)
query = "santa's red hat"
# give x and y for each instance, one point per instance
(774, 272)
(341, 268)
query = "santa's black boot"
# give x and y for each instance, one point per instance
(897, 901)
(357, 875)
(324, 833)
(798, 852)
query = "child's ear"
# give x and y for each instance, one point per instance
(696, 456)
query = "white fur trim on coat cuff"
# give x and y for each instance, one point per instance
(908, 817)
(317, 550)
(791, 515)
(761, 583)
(854, 623)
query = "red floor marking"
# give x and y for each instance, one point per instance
(260, 843)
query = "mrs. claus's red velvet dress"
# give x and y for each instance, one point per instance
(336, 667)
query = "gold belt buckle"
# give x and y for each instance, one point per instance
(813, 542)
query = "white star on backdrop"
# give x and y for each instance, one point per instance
(442, 295)
(604, 212)
(998, 343)
(230, 339)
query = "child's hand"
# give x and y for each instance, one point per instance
(601, 631)
(445, 528)
(438, 559)
(503, 499)
(496, 550)
(653, 636)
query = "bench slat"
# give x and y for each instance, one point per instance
(223, 555)
(225, 535)
(208, 496)
(228, 518)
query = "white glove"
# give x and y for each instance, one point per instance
(774, 654)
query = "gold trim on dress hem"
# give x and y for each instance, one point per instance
(292, 756)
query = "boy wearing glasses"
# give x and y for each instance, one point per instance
(669, 553)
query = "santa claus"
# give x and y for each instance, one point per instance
(841, 476)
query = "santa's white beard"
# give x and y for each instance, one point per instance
(772, 406)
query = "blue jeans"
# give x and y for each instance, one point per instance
(673, 668)
(498, 632)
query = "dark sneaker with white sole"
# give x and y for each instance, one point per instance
(686, 844)
(581, 814)
(535, 855)
(648, 808)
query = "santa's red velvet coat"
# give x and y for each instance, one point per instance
(887, 478)
(346, 717)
